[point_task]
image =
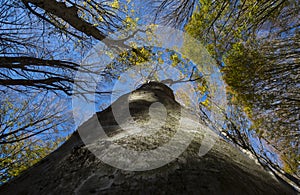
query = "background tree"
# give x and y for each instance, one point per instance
(30, 128)
(255, 46)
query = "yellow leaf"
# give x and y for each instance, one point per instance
(205, 102)
(100, 18)
(115, 4)
(161, 61)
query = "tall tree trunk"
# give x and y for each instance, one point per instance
(75, 169)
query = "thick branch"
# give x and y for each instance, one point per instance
(68, 14)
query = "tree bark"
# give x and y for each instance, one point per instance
(74, 169)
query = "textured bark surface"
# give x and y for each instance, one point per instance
(74, 169)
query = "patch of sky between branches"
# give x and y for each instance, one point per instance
(161, 59)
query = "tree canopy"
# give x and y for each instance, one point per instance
(256, 45)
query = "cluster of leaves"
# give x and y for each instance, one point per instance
(19, 156)
(221, 24)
